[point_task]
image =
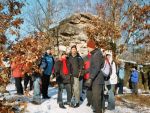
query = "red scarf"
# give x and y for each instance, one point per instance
(64, 67)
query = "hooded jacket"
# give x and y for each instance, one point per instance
(47, 64)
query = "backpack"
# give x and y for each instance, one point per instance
(107, 70)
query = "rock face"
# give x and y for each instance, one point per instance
(71, 31)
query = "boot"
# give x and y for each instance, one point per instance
(62, 106)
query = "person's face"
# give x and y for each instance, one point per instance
(73, 50)
(103, 52)
(63, 56)
(52, 51)
(90, 49)
(109, 57)
(48, 51)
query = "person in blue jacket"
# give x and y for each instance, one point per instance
(134, 80)
(121, 77)
(46, 64)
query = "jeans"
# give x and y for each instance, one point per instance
(111, 97)
(36, 90)
(81, 87)
(36, 85)
(60, 92)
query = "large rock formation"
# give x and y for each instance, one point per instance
(71, 31)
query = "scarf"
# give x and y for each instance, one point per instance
(64, 67)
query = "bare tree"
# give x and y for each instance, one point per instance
(41, 16)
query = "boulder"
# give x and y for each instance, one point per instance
(68, 30)
(71, 31)
(62, 48)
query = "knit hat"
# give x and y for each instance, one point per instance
(91, 44)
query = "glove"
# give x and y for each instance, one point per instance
(88, 83)
(80, 78)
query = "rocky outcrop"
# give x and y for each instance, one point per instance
(71, 31)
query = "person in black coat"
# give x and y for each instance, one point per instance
(76, 70)
(96, 80)
(62, 72)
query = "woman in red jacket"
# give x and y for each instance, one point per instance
(86, 77)
(17, 73)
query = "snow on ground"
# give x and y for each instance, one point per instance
(51, 106)
(127, 90)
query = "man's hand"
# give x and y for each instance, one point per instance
(88, 83)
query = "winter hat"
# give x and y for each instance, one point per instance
(91, 43)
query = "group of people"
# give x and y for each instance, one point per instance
(74, 74)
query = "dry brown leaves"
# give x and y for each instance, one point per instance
(7, 19)
(16, 23)
(141, 100)
(30, 49)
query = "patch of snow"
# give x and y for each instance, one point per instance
(11, 88)
(127, 90)
(51, 105)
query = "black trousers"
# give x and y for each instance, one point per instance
(45, 84)
(60, 92)
(27, 79)
(18, 85)
(98, 97)
(120, 86)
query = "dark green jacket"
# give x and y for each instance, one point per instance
(76, 65)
